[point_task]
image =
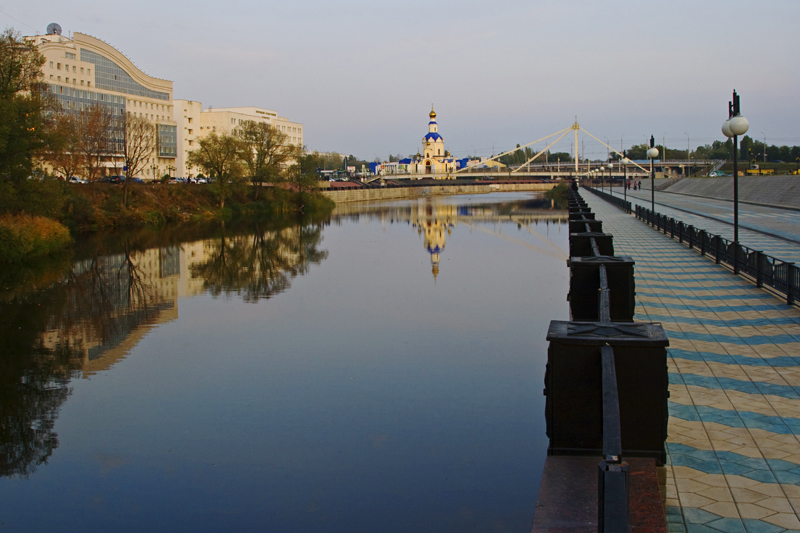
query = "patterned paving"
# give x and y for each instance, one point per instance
(734, 363)
(771, 220)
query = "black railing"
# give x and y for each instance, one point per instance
(781, 276)
(615, 200)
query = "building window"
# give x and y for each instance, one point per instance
(69, 55)
(58, 66)
(51, 64)
(59, 78)
(51, 76)
(190, 120)
(190, 132)
(73, 68)
(88, 84)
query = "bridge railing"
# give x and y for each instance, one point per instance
(783, 277)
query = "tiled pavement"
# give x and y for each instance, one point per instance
(734, 362)
(780, 222)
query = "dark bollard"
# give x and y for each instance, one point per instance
(580, 243)
(579, 226)
(582, 214)
(584, 285)
(573, 386)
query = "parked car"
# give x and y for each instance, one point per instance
(75, 179)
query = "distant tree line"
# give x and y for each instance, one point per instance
(521, 156)
(749, 150)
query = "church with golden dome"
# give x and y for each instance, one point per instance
(432, 159)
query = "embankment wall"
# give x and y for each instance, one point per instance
(400, 193)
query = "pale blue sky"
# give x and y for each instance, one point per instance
(361, 75)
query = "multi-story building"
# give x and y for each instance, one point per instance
(193, 122)
(83, 71)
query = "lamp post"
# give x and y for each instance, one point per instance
(602, 179)
(611, 179)
(652, 153)
(625, 174)
(765, 146)
(733, 127)
(688, 153)
(153, 171)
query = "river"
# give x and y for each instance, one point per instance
(380, 370)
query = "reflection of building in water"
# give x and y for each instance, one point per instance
(121, 297)
(435, 222)
(116, 299)
(113, 301)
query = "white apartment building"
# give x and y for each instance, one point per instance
(83, 71)
(193, 122)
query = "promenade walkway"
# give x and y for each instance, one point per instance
(734, 363)
(716, 216)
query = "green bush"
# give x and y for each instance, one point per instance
(24, 237)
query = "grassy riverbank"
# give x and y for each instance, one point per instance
(29, 237)
(39, 217)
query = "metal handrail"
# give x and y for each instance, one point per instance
(781, 276)
(615, 200)
(613, 506)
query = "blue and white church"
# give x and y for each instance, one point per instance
(433, 159)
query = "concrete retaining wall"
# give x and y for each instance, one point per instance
(778, 191)
(399, 193)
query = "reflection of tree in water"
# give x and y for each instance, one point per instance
(33, 383)
(55, 318)
(85, 305)
(259, 265)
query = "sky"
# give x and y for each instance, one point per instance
(361, 75)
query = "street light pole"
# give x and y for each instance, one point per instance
(688, 153)
(611, 179)
(652, 153)
(602, 179)
(733, 127)
(625, 174)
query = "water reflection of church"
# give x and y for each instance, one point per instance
(435, 222)
(434, 219)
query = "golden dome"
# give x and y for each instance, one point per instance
(432, 114)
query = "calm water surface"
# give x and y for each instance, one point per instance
(379, 371)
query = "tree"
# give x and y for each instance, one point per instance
(95, 131)
(24, 102)
(220, 156)
(303, 172)
(139, 143)
(66, 156)
(745, 148)
(266, 152)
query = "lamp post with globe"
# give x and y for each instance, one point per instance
(733, 127)
(602, 179)
(624, 162)
(611, 178)
(652, 153)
